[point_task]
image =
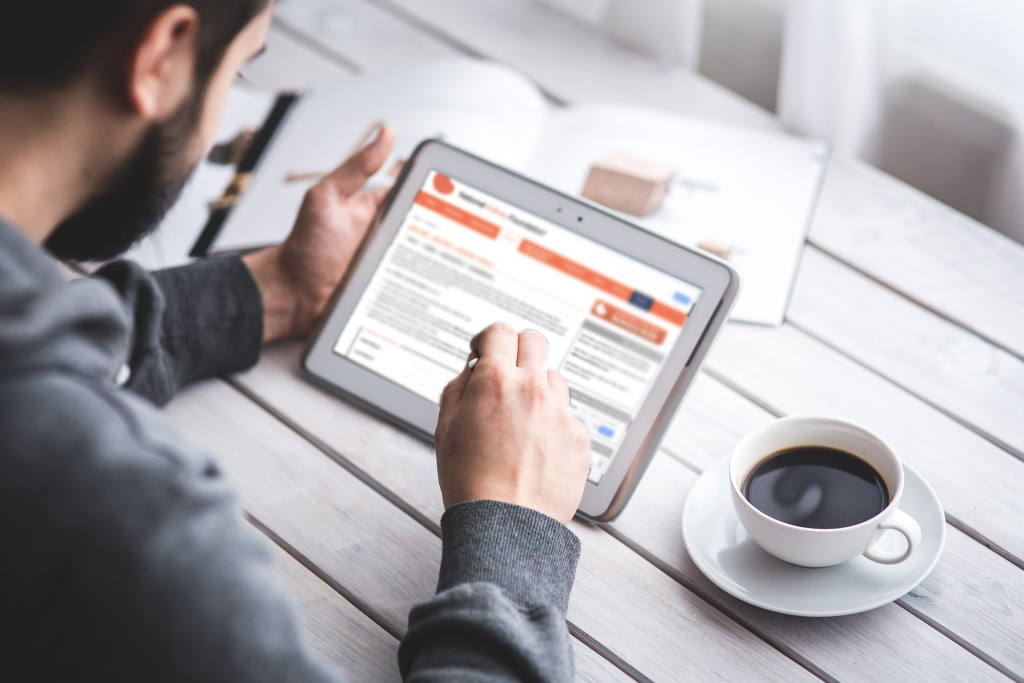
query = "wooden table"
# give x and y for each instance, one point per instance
(907, 318)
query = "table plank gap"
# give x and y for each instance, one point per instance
(367, 479)
(787, 372)
(984, 433)
(319, 408)
(980, 654)
(289, 64)
(325, 448)
(329, 516)
(975, 594)
(634, 581)
(937, 258)
(998, 443)
(337, 630)
(739, 389)
(391, 453)
(906, 294)
(872, 644)
(615, 660)
(433, 527)
(984, 540)
(381, 620)
(939, 361)
(567, 61)
(415, 22)
(361, 35)
(600, 649)
(314, 44)
(681, 459)
(852, 201)
(694, 587)
(954, 521)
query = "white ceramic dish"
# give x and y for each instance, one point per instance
(722, 549)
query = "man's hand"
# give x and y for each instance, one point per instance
(505, 431)
(297, 277)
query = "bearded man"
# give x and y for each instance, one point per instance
(126, 554)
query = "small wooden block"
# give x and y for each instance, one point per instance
(722, 250)
(628, 184)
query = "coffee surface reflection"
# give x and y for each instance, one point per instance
(816, 487)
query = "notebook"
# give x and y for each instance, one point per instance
(750, 190)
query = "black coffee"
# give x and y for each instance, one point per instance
(816, 487)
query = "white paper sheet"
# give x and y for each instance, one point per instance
(753, 190)
(482, 107)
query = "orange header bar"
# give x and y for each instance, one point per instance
(668, 313)
(628, 322)
(576, 270)
(595, 279)
(454, 213)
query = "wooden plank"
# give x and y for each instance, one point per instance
(569, 61)
(937, 257)
(920, 376)
(935, 359)
(972, 593)
(359, 34)
(619, 599)
(363, 541)
(337, 630)
(365, 651)
(315, 15)
(980, 485)
(289, 65)
(950, 535)
(885, 643)
(593, 668)
(270, 380)
(934, 255)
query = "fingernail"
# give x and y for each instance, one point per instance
(374, 135)
(472, 363)
(546, 342)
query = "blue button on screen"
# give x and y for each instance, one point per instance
(641, 300)
(606, 431)
(681, 298)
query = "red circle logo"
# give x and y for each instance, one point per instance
(443, 184)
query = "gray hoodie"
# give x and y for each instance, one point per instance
(125, 553)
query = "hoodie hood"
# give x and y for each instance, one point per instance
(48, 322)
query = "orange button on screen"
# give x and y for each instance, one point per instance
(668, 313)
(628, 322)
(457, 215)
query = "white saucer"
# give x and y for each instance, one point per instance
(720, 546)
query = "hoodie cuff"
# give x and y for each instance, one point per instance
(529, 556)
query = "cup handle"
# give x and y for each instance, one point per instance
(905, 524)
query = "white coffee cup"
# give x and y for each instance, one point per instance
(822, 547)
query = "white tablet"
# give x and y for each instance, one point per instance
(462, 243)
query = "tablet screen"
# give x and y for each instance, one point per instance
(462, 260)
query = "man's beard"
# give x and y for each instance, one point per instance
(138, 196)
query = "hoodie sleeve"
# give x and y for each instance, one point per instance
(187, 323)
(502, 594)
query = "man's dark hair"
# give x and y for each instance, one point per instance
(47, 44)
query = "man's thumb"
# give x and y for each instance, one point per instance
(352, 175)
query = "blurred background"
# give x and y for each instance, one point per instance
(930, 91)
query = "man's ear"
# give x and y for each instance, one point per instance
(161, 65)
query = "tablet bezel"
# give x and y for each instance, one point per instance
(719, 282)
